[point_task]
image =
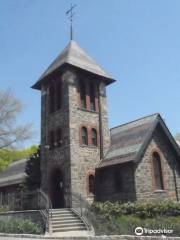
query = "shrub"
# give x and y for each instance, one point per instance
(164, 208)
(118, 218)
(20, 226)
(4, 209)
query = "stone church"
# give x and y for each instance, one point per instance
(136, 161)
(132, 162)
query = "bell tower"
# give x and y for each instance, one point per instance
(74, 124)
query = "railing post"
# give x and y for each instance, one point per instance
(81, 204)
(1, 200)
(37, 199)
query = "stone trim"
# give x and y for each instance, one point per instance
(89, 173)
(97, 132)
(80, 135)
(164, 180)
(89, 129)
(87, 93)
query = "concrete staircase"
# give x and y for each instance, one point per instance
(64, 220)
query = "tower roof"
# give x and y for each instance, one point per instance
(75, 56)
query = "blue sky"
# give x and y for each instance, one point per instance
(136, 41)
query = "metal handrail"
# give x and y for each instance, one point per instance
(29, 200)
(45, 208)
(82, 208)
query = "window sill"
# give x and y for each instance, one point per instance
(90, 195)
(87, 110)
(88, 146)
(159, 191)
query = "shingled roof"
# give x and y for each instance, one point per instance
(76, 56)
(13, 174)
(128, 141)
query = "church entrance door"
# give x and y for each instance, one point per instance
(57, 189)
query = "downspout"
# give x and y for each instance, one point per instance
(100, 124)
(101, 150)
(175, 184)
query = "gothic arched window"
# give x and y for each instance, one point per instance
(92, 97)
(91, 184)
(94, 141)
(158, 177)
(82, 94)
(84, 136)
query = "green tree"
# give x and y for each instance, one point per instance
(33, 179)
(8, 156)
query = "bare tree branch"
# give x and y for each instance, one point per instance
(10, 133)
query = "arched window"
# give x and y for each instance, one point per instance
(92, 97)
(94, 137)
(82, 94)
(91, 184)
(157, 171)
(51, 98)
(84, 136)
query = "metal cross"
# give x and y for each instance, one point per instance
(70, 13)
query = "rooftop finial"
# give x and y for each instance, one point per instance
(70, 13)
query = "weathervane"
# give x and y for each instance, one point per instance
(70, 13)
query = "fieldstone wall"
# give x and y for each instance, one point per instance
(84, 158)
(74, 160)
(137, 178)
(106, 185)
(59, 157)
(170, 168)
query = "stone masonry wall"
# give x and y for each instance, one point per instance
(144, 175)
(107, 185)
(83, 158)
(57, 158)
(73, 159)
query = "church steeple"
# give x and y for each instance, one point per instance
(74, 123)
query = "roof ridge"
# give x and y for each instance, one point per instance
(136, 120)
(17, 162)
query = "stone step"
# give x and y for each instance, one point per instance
(68, 225)
(64, 217)
(61, 212)
(67, 229)
(64, 220)
(60, 209)
(56, 222)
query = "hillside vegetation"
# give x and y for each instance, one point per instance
(9, 156)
